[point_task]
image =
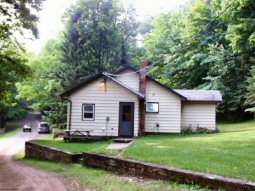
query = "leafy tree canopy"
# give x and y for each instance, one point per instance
(206, 45)
(99, 36)
(17, 16)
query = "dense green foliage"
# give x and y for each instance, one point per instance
(42, 88)
(17, 18)
(203, 45)
(250, 97)
(98, 35)
(208, 45)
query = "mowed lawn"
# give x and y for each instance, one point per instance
(12, 129)
(229, 153)
(74, 147)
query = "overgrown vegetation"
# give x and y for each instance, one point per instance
(208, 45)
(16, 19)
(198, 130)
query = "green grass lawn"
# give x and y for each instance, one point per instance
(10, 133)
(229, 153)
(94, 179)
(75, 147)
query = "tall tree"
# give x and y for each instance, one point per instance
(213, 49)
(41, 90)
(250, 97)
(98, 37)
(16, 17)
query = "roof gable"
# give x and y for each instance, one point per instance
(150, 78)
(78, 86)
(167, 88)
(86, 82)
(127, 87)
(125, 68)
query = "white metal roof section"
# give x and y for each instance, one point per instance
(201, 95)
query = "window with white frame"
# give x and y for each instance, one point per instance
(152, 107)
(88, 111)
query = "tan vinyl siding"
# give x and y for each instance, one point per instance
(169, 116)
(198, 115)
(131, 81)
(106, 105)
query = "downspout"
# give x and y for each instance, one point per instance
(70, 111)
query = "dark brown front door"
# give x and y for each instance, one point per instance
(126, 119)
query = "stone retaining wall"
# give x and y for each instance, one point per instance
(42, 152)
(154, 171)
(136, 168)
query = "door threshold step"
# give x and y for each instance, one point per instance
(123, 140)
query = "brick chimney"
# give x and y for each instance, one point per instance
(142, 89)
(143, 70)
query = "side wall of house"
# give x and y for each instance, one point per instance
(197, 114)
(68, 111)
(169, 116)
(106, 105)
(131, 81)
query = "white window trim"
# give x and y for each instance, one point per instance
(152, 111)
(83, 111)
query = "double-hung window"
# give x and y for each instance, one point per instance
(88, 111)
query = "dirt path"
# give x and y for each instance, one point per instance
(17, 176)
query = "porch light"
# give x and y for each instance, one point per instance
(103, 84)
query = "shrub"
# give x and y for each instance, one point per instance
(198, 130)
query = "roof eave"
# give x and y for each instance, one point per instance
(76, 87)
(125, 68)
(67, 92)
(205, 101)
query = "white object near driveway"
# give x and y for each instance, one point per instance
(27, 127)
(128, 102)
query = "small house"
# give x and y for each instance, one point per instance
(129, 102)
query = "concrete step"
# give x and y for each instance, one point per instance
(123, 140)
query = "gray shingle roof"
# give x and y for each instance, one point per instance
(201, 95)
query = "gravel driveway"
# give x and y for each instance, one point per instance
(15, 175)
